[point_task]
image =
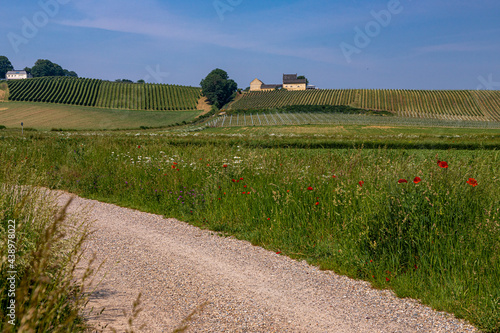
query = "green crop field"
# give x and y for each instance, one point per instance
(428, 104)
(104, 94)
(45, 116)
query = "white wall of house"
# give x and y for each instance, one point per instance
(295, 86)
(18, 75)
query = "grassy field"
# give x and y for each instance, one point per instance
(356, 136)
(423, 222)
(46, 116)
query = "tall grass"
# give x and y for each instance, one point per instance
(48, 292)
(349, 210)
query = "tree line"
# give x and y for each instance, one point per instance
(41, 68)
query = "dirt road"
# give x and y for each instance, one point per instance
(178, 267)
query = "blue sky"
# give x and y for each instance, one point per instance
(396, 44)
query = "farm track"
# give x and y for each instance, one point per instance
(176, 267)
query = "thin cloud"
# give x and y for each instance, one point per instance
(180, 28)
(453, 47)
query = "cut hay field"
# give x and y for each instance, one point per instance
(45, 116)
(365, 130)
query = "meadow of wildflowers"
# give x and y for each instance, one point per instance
(425, 223)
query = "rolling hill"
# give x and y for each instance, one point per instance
(433, 104)
(104, 94)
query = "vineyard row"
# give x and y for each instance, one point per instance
(104, 94)
(308, 118)
(436, 104)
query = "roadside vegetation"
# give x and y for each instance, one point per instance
(423, 222)
(40, 287)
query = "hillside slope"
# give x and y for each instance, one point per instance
(105, 94)
(437, 104)
(46, 116)
(4, 90)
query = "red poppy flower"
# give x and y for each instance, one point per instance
(287, 191)
(443, 164)
(268, 218)
(233, 180)
(417, 180)
(334, 176)
(244, 186)
(279, 252)
(402, 181)
(138, 146)
(241, 178)
(224, 166)
(361, 183)
(317, 203)
(173, 166)
(416, 267)
(309, 188)
(175, 163)
(387, 279)
(472, 182)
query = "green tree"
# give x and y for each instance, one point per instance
(44, 67)
(69, 73)
(141, 81)
(5, 66)
(303, 77)
(218, 88)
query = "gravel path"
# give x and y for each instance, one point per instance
(178, 267)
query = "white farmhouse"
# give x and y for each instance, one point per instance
(18, 75)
